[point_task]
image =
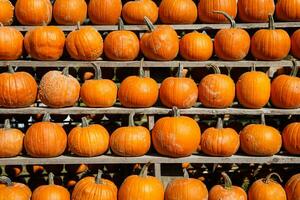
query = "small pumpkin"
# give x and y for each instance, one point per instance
(287, 10)
(121, 45)
(270, 44)
(133, 12)
(291, 138)
(295, 44)
(11, 43)
(255, 11)
(81, 144)
(33, 12)
(59, 89)
(14, 170)
(12, 191)
(161, 43)
(7, 12)
(76, 169)
(232, 43)
(292, 187)
(45, 139)
(131, 140)
(141, 187)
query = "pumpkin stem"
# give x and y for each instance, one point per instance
(185, 173)
(6, 181)
(11, 69)
(46, 117)
(98, 72)
(78, 25)
(144, 171)
(1, 25)
(85, 122)
(176, 112)
(121, 24)
(99, 177)
(263, 119)
(269, 177)
(65, 71)
(215, 68)
(44, 23)
(271, 22)
(228, 17)
(229, 69)
(149, 24)
(253, 68)
(180, 70)
(141, 70)
(220, 123)
(7, 124)
(51, 178)
(295, 68)
(227, 181)
(131, 119)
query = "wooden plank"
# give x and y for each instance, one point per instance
(157, 170)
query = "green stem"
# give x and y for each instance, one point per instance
(11, 69)
(227, 181)
(180, 70)
(99, 177)
(215, 68)
(65, 71)
(295, 68)
(84, 122)
(121, 24)
(141, 70)
(185, 173)
(6, 181)
(253, 68)
(149, 24)
(98, 72)
(131, 119)
(263, 119)
(144, 171)
(78, 25)
(220, 123)
(51, 178)
(271, 22)
(176, 112)
(228, 17)
(46, 117)
(268, 178)
(7, 124)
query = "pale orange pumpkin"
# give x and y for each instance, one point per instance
(7, 12)
(13, 191)
(11, 43)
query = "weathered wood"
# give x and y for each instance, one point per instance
(157, 170)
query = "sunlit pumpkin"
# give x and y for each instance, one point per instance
(255, 10)
(13, 191)
(7, 12)
(11, 43)
(291, 138)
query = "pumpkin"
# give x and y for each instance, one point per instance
(133, 12)
(121, 45)
(76, 169)
(287, 10)
(266, 189)
(295, 44)
(33, 12)
(7, 12)
(138, 91)
(227, 191)
(291, 138)
(131, 140)
(13, 191)
(255, 11)
(285, 90)
(161, 43)
(11, 141)
(176, 136)
(59, 89)
(45, 139)
(186, 189)
(50, 191)
(206, 10)
(84, 43)
(104, 12)
(260, 139)
(99, 92)
(220, 141)
(232, 43)
(216, 90)
(14, 170)
(253, 89)
(141, 187)
(17, 89)
(35, 170)
(178, 11)
(196, 46)
(88, 140)
(270, 44)
(69, 12)
(292, 187)
(11, 43)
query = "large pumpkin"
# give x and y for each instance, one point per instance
(255, 10)
(295, 44)
(161, 43)
(45, 139)
(17, 89)
(59, 89)
(81, 144)
(232, 43)
(291, 138)
(69, 12)
(176, 136)
(131, 140)
(13, 191)
(133, 12)
(45, 43)
(104, 12)
(11, 43)
(7, 12)
(292, 188)
(33, 12)
(270, 44)
(142, 187)
(288, 10)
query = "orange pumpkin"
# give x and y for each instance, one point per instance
(59, 89)
(7, 12)
(45, 139)
(33, 12)
(131, 140)
(104, 12)
(295, 44)
(196, 46)
(288, 10)
(255, 10)
(176, 136)
(133, 12)
(13, 191)
(17, 89)
(291, 138)
(69, 12)
(11, 43)
(232, 43)
(270, 44)
(80, 143)
(141, 187)
(161, 43)
(76, 169)
(292, 187)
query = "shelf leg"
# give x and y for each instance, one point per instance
(157, 170)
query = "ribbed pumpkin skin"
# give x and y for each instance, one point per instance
(84, 44)
(17, 90)
(260, 140)
(234, 193)
(7, 12)
(288, 10)
(292, 188)
(179, 92)
(291, 138)
(104, 12)
(45, 43)
(133, 12)
(295, 44)
(33, 12)
(176, 136)
(255, 10)
(50, 192)
(88, 141)
(18, 191)
(45, 140)
(196, 46)
(69, 12)
(253, 89)
(178, 11)
(11, 43)
(58, 90)
(138, 92)
(11, 142)
(186, 189)
(206, 8)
